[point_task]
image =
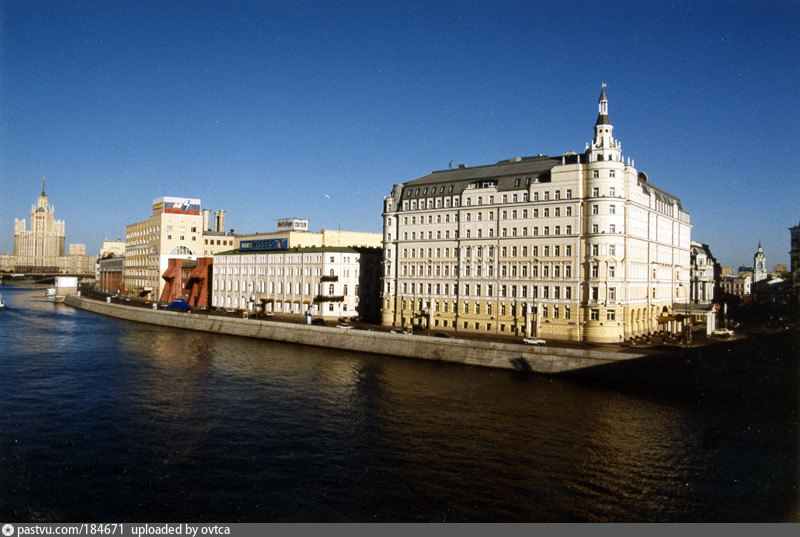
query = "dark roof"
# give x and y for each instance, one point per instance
(602, 119)
(602, 95)
(660, 195)
(505, 173)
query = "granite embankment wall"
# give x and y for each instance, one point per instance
(460, 351)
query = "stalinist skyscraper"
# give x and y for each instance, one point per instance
(38, 250)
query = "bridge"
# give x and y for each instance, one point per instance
(42, 277)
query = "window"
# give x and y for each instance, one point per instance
(595, 209)
(612, 209)
(595, 175)
(595, 191)
(612, 293)
(611, 190)
(595, 228)
(594, 315)
(569, 194)
(610, 315)
(595, 271)
(612, 228)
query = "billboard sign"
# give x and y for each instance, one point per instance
(263, 244)
(169, 204)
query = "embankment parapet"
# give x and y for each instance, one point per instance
(460, 351)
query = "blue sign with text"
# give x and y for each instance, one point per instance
(264, 244)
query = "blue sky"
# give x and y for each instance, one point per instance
(315, 109)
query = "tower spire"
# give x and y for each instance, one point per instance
(604, 146)
(43, 194)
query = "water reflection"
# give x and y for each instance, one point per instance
(166, 424)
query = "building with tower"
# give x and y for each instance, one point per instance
(579, 246)
(40, 249)
(37, 249)
(760, 265)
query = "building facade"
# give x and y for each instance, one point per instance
(109, 274)
(705, 274)
(269, 277)
(174, 230)
(189, 279)
(39, 248)
(578, 247)
(296, 232)
(740, 285)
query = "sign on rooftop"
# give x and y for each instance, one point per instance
(292, 224)
(169, 204)
(264, 244)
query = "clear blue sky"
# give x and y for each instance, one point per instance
(315, 109)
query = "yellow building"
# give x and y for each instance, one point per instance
(41, 249)
(38, 249)
(578, 247)
(295, 231)
(175, 230)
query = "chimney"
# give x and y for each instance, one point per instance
(206, 219)
(219, 221)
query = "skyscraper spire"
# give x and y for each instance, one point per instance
(43, 194)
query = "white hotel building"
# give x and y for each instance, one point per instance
(296, 272)
(577, 247)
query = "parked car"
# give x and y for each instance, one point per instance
(346, 326)
(722, 332)
(362, 327)
(533, 341)
(318, 322)
(399, 331)
(442, 334)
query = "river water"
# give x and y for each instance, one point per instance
(107, 420)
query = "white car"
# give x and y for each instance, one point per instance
(534, 341)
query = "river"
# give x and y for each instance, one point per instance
(108, 420)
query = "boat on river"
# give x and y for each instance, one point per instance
(2, 303)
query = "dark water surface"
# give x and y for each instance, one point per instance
(106, 420)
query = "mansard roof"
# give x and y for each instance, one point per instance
(505, 173)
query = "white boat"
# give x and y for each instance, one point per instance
(2, 303)
(51, 291)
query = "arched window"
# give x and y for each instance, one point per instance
(180, 250)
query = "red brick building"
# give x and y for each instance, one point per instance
(189, 279)
(109, 274)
